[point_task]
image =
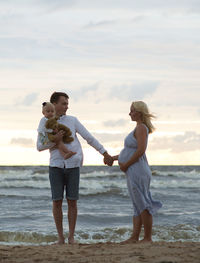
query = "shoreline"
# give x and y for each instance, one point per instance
(156, 252)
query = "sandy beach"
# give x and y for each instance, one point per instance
(157, 252)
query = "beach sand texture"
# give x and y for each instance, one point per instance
(157, 252)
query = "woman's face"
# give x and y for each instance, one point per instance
(135, 115)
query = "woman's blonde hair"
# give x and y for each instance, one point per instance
(146, 116)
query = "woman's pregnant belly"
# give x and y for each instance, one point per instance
(126, 154)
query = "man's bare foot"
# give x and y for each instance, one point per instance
(71, 241)
(69, 154)
(129, 241)
(59, 242)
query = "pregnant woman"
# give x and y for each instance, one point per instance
(132, 160)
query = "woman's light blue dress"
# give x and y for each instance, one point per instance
(138, 178)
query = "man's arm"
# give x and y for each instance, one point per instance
(92, 141)
(50, 145)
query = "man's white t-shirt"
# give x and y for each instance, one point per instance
(56, 159)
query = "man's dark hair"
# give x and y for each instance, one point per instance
(56, 95)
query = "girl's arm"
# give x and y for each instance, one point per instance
(141, 137)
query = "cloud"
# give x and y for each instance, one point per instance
(189, 141)
(110, 137)
(142, 5)
(170, 6)
(23, 142)
(86, 92)
(53, 5)
(111, 123)
(124, 92)
(28, 100)
(103, 23)
(133, 91)
(49, 5)
(138, 18)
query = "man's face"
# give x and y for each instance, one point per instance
(61, 106)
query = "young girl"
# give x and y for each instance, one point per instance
(132, 160)
(48, 111)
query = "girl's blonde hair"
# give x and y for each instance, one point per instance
(146, 116)
(46, 105)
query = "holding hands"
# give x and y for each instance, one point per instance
(108, 159)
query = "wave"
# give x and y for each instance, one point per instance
(189, 174)
(24, 185)
(104, 192)
(184, 183)
(175, 233)
(26, 238)
(100, 179)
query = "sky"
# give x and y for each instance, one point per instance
(104, 55)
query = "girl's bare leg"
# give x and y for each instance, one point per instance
(64, 151)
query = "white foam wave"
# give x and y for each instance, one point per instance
(174, 233)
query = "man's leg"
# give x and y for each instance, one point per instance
(58, 218)
(72, 217)
(72, 195)
(56, 177)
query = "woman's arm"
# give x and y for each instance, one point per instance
(115, 157)
(141, 137)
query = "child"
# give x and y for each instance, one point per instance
(48, 111)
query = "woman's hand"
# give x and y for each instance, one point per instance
(123, 167)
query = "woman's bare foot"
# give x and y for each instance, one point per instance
(129, 241)
(145, 240)
(69, 154)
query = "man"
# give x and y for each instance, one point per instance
(64, 174)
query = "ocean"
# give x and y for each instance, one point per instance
(104, 207)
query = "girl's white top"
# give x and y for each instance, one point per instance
(56, 159)
(43, 132)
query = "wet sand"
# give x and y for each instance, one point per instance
(157, 252)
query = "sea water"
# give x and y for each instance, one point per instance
(104, 208)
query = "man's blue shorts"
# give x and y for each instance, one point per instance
(64, 179)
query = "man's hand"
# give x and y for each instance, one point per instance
(59, 136)
(108, 159)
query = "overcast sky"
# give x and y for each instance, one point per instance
(104, 55)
